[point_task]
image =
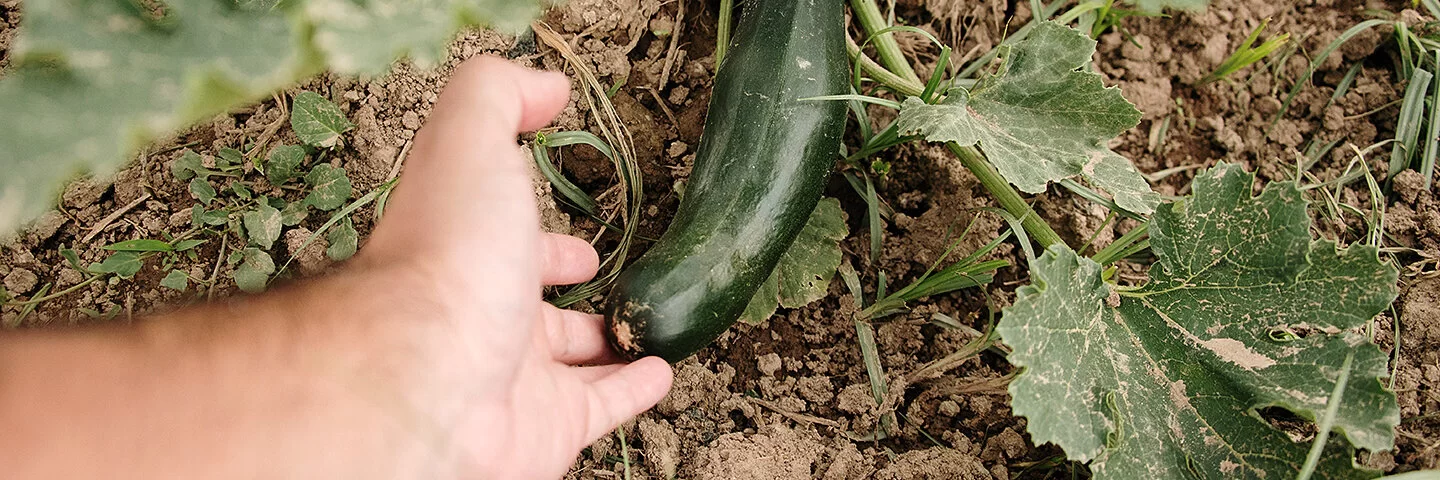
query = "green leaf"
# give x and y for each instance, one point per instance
(804, 271)
(1041, 118)
(175, 280)
(200, 216)
(254, 271)
(263, 226)
(90, 82)
(363, 37)
(1155, 6)
(185, 245)
(1242, 311)
(202, 191)
(283, 162)
(229, 156)
(72, 258)
(141, 245)
(294, 213)
(329, 187)
(241, 191)
(122, 264)
(343, 240)
(316, 121)
(188, 166)
(765, 302)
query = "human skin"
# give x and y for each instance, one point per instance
(430, 355)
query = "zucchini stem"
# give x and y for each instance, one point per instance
(881, 74)
(868, 13)
(897, 74)
(1006, 195)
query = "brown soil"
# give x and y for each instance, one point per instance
(790, 398)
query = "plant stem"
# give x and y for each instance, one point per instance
(881, 74)
(1006, 195)
(902, 78)
(72, 289)
(722, 31)
(870, 17)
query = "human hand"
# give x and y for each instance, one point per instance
(462, 232)
(430, 355)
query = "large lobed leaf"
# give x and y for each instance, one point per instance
(1243, 311)
(1041, 118)
(94, 80)
(805, 269)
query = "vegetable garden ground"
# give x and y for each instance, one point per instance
(790, 398)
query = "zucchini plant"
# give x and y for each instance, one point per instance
(1243, 310)
(91, 82)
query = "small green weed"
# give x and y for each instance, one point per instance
(1247, 54)
(238, 205)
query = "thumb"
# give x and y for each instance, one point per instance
(622, 395)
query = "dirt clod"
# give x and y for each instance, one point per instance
(775, 453)
(311, 259)
(21, 281)
(937, 463)
(661, 445)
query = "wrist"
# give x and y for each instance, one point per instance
(286, 384)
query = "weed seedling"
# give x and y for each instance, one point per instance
(1247, 54)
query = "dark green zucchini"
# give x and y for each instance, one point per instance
(762, 162)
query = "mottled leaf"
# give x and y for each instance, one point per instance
(283, 162)
(175, 280)
(202, 190)
(263, 225)
(1242, 311)
(91, 81)
(316, 121)
(343, 240)
(229, 156)
(329, 187)
(294, 213)
(254, 270)
(188, 166)
(241, 191)
(1041, 118)
(805, 269)
(363, 36)
(199, 216)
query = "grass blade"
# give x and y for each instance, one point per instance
(877, 229)
(571, 193)
(1345, 82)
(1327, 422)
(1432, 134)
(1247, 54)
(722, 31)
(1407, 127)
(1319, 59)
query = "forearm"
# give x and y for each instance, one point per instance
(245, 389)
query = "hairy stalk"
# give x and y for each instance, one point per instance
(1006, 195)
(903, 79)
(882, 75)
(890, 56)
